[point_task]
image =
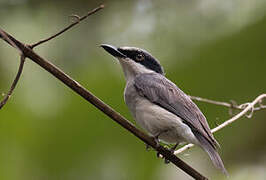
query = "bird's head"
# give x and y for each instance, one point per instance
(134, 60)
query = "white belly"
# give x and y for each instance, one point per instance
(158, 121)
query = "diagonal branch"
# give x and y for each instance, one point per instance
(76, 87)
(247, 107)
(78, 20)
(13, 86)
(5, 37)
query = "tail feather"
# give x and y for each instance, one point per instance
(212, 152)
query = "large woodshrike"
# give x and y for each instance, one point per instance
(159, 106)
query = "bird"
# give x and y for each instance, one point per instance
(159, 106)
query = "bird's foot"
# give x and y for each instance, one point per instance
(161, 156)
(156, 139)
(172, 150)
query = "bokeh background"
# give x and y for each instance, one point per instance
(209, 48)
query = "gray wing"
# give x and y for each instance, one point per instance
(159, 90)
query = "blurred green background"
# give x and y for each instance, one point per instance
(209, 48)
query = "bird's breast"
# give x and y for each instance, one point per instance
(131, 97)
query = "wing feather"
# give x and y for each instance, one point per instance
(159, 90)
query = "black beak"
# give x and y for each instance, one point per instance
(113, 51)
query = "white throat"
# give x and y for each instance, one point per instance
(131, 69)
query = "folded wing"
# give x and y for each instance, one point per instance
(159, 90)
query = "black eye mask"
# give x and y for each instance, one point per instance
(147, 60)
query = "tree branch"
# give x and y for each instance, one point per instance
(247, 107)
(20, 69)
(5, 37)
(78, 20)
(13, 86)
(76, 87)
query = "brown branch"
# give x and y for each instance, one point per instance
(247, 107)
(5, 37)
(78, 20)
(13, 86)
(76, 87)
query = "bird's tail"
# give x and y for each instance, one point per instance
(213, 154)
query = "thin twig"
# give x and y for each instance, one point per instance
(231, 105)
(75, 86)
(8, 95)
(248, 107)
(78, 20)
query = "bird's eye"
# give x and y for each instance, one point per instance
(139, 57)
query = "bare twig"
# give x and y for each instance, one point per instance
(231, 105)
(212, 101)
(8, 95)
(247, 107)
(78, 20)
(5, 37)
(75, 86)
